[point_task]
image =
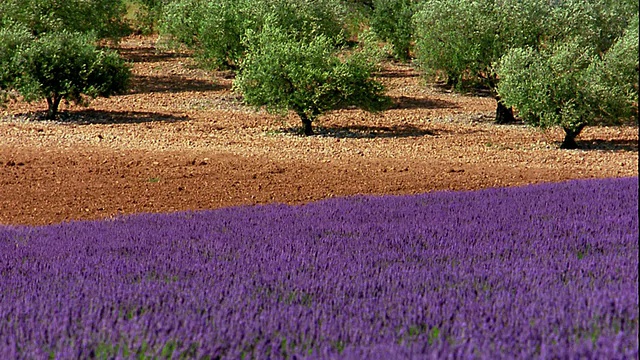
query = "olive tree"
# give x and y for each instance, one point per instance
(391, 20)
(59, 66)
(215, 29)
(595, 23)
(104, 18)
(306, 76)
(459, 40)
(48, 50)
(146, 14)
(573, 85)
(212, 29)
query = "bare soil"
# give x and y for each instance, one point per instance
(181, 139)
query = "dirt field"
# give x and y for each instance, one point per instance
(182, 140)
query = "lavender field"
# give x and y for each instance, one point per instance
(545, 271)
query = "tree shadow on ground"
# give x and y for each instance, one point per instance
(395, 74)
(365, 131)
(607, 145)
(371, 132)
(147, 54)
(90, 117)
(478, 91)
(406, 102)
(172, 84)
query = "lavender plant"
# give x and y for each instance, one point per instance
(547, 271)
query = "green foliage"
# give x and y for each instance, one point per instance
(434, 335)
(598, 23)
(215, 29)
(572, 85)
(548, 88)
(11, 39)
(303, 19)
(613, 78)
(104, 18)
(212, 29)
(356, 19)
(552, 75)
(359, 3)
(145, 14)
(307, 76)
(391, 20)
(460, 39)
(63, 65)
(47, 49)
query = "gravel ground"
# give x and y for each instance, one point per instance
(182, 140)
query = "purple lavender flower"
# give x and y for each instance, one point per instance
(544, 271)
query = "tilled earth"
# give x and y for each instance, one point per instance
(181, 139)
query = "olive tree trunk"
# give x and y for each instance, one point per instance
(306, 123)
(569, 141)
(53, 102)
(504, 115)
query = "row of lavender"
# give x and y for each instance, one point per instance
(541, 271)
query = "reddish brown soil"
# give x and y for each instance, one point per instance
(181, 140)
